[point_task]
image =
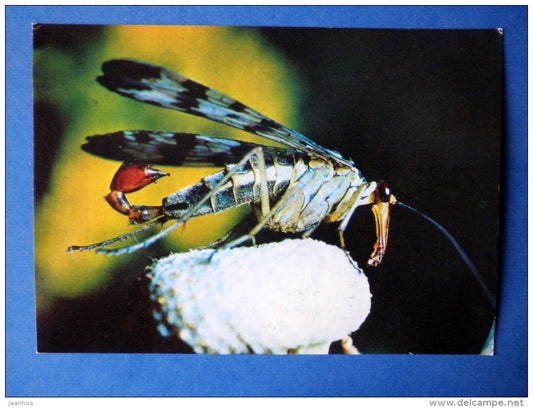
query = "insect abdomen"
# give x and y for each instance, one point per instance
(243, 187)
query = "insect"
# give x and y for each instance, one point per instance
(292, 189)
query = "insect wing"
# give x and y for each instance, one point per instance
(173, 149)
(161, 87)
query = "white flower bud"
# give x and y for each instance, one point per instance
(293, 296)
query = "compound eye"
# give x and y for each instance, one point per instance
(383, 192)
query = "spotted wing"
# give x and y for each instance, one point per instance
(173, 149)
(161, 87)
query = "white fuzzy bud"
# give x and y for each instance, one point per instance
(293, 296)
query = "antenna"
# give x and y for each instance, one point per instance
(460, 250)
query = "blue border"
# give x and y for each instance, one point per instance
(30, 374)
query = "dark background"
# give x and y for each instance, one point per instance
(420, 109)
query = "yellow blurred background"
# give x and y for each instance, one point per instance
(72, 211)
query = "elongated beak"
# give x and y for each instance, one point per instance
(381, 210)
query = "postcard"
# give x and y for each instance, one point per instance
(221, 190)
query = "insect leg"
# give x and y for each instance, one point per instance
(263, 183)
(380, 196)
(238, 230)
(362, 196)
(164, 232)
(309, 231)
(116, 239)
(251, 235)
